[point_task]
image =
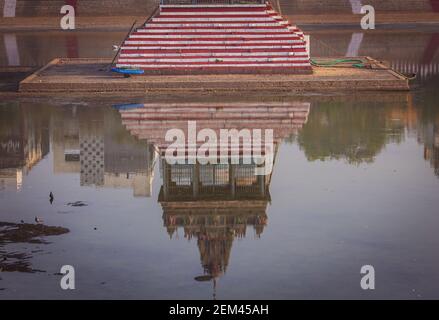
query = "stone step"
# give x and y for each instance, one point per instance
(208, 55)
(215, 37)
(191, 39)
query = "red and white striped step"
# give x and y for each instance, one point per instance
(191, 39)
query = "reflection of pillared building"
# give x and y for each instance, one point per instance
(214, 203)
(24, 141)
(93, 143)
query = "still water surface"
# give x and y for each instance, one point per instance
(355, 182)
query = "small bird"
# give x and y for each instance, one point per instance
(38, 220)
(22, 221)
(51, 197)
(115, 47)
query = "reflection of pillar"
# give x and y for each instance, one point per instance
(9, 8)
(71, 39)
(356, 6)
(355, 44)
(195, 179)
(279, 9)
(12, 49)
(71, 3)
(261, 182)
(72, 46)
(165, 180)
(435, 5)
(431, 48)
(232, 180)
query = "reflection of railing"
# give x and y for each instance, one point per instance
(185, 182)
(422, 71)
(212, 2)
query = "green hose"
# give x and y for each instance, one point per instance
(356, 63)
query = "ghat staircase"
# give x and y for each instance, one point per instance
(215, 39)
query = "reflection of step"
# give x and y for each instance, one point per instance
(216, 39)
(151, 122)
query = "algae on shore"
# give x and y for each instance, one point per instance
(11, 233)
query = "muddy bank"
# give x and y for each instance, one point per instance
(12, 233)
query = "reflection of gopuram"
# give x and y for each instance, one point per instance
(213, 203)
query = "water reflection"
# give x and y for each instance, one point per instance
(356, 132)
(94, 144)
(214, 203)
(24, 141)
(428, 132)
(110, 148)
(211, 205)
(118, 148)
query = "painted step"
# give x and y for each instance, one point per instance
(183, 39)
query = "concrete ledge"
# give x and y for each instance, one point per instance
(93, 76)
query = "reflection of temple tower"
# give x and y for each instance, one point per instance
(215, 251)
(24, 141)
(214, 203)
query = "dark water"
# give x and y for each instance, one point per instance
(355, 182)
